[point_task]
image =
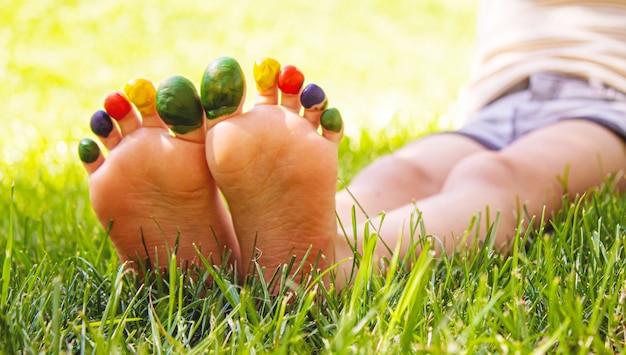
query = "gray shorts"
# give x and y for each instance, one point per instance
(546, 99)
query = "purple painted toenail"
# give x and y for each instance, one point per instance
(101, 123)
(313, 97)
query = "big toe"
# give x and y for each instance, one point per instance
(178, 104)
(222, 90)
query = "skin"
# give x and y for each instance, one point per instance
(451, 178)
(282, 206)
(148, 206)
(272, 193)
(154, 202)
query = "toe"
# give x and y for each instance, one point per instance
(142, 93)
(290, 82)
(332, 125)
(178, 105)
(102, 125)
(222, 89)
(314, 101)
(118, 107)
(89, 153)
(316, 111)
(266, 73)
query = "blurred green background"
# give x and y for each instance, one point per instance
(378, 60)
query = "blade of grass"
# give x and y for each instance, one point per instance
(8, 251)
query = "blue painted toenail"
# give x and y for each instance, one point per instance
(101, 123)
(313, 97)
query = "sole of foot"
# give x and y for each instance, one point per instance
(277, 167)
(153, 191)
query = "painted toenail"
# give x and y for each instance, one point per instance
(88, 150)
(117, 105)
(101, 123)
(142, 94)
(178, 104)
(290, 80)
(222, 87)
(313, 97)
(265, 73)
(331, 120)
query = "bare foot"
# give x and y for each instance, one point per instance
(278, 174)
(153, 187)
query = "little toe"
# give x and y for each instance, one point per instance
(332, 125)
(118, 107)
(222, 90)
(89, 153)
(266, 73)
(102, 125)
(290, 83)
(314, 101)
(316, 111)
(142, 93)
(179, 106)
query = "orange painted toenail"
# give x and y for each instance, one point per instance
(290, 80)
(117, 105)
(266, 73)
(142, 94)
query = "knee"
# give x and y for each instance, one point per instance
(394, 170)
(488, 168)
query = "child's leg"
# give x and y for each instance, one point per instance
(416, 171)
(532, 171)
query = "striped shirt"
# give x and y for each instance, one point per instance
(516, 38)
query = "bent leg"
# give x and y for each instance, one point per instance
(533, 171)
(414, 172)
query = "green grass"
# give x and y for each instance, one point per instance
(392, 71)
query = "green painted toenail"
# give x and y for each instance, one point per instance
(88, 150)
(178, 104)
(222, 87)
(331, 120)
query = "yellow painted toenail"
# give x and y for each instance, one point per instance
(266, 73)
(142, 94)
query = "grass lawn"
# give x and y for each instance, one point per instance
(393, 69)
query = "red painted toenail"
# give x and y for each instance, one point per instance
(117, 105)
(290, 80)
